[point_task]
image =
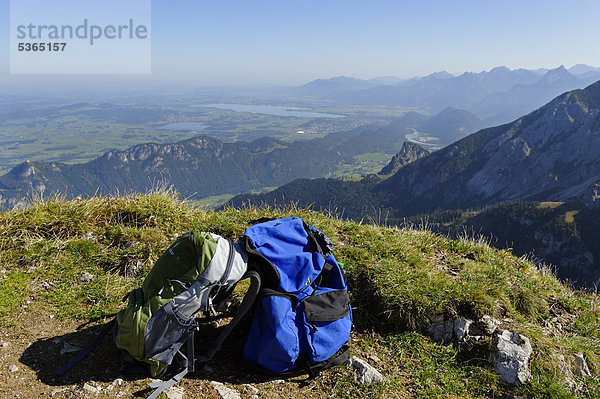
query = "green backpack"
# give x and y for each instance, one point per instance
(198, 270)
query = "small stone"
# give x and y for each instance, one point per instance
(86, 277)
(117, 382)
(225, 392)
(13, 368)
(461, 328)
(254, 397)
(251, 389)
(488, 324)
(175, 393)
(58, 390)
(277, 381)
(89, 389)
(581, 367)
(90, 236)
(367, 374)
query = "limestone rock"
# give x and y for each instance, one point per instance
(251, 389)
(367, 374)
(488, 324)
(512, 357)
(448, 329)
(441, 329)
(89, 389)
(224, 391)
(581, 367)
(175, 393)
(461, 328)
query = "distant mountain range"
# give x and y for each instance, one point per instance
(551, 155)
(197, 167)
(205, 166)
(497, 96)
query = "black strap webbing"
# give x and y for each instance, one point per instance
(323, 277)
(245, 306)
(313, 370)
(84, 352)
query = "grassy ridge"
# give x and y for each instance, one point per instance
(398, 278)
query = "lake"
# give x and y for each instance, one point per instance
(278, 110)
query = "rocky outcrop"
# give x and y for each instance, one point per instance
(410, 152)
(459, 328)
(511, 350)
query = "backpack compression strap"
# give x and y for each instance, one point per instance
(161, 386)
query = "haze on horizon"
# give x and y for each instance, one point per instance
(290, 43)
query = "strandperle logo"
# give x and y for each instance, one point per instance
(85, 31)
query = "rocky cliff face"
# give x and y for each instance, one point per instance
(550, 154)
(409, 153)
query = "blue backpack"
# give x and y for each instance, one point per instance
(303, 315)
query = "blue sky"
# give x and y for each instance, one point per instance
(256, 42)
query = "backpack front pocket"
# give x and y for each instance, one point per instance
(327, 322)
(165, 334)
(273, 339)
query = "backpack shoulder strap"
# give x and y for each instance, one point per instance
(245, 306)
